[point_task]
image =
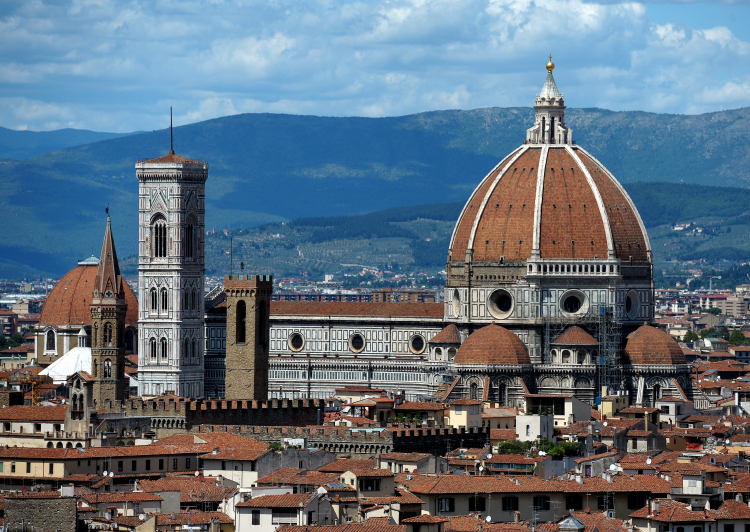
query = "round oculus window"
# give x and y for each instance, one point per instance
(357, 342)
(417, 343)
(500, 303)
(296, 342)
(632, 304)
(574, 302)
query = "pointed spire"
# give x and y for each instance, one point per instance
(171, 137)
(108, 276)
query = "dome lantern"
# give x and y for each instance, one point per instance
(549, 123)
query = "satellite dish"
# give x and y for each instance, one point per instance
(488, 518)
(605, 423)
(197, 473)
(612, 467)
(481, 468)
(648, 461)
(489, 456)
(542, 453)
(142, 517)
(727, 442)
(587, 510)
(105, 473)
(111, 474)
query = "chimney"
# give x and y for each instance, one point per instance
(579, 479)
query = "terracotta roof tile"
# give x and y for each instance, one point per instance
(492, 344)
(330, 308)
(449, 335)
(289, 500)
(575, 335)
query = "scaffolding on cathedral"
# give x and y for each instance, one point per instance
(602, 323)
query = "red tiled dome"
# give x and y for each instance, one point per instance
(575, 336)
(649, 345)
(69, 302)
(583, 212)
(492, 344)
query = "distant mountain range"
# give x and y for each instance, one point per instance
(26, 144)
(267, 168)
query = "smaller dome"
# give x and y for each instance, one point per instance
(575, 336)
(649, 345)
(492, 344)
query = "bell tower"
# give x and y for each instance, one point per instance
(108, 309)
(248, 327)
(171, 225)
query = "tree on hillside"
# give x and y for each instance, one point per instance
(737, 338)
(690, 336)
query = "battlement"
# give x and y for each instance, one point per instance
(247, 282)
(179, 406)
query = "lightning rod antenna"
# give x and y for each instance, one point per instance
(171, 137)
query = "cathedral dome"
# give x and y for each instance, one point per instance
(69, 302)
(492, 344)
(649, 345)
(549, 200)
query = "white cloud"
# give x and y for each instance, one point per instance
(115, 64)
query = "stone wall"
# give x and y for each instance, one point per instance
(248, 311)
(40, 514)
(363, 444)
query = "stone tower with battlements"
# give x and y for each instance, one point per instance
(108, 309)
(248, 309)
(171, 271)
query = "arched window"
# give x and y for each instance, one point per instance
(164, 305)
(474, 391)
(159, 237)
(186, 351)
(50, 340)
(96, 369)
(107, 369)
(107, 335)
(163, 348)
(186, 299)
(189, 240)
(152, 348)
(193, 304)
(528, 430)
(240, 325)
(194, 349)
(154, 302)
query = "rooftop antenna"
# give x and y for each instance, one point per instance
(171, 137)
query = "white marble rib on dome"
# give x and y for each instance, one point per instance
(77, 359)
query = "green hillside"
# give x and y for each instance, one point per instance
(415, 239)
(270, 168)
(25, 144)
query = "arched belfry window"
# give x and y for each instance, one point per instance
(164, 300)
(107, 369)
(186, 352)
(163, 348)
(152, 348)
(107, 335)
(240, 326)
(193, 303)
(474, 391)
(50, 340)
(189, 240)
(194, 350)
(159, 237)
(154, 300)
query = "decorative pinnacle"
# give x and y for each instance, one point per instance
(550, 65)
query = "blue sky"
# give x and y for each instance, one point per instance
(113, 65)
